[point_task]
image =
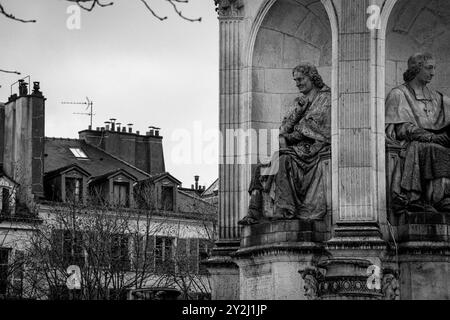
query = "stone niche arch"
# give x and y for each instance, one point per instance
(418, 26)
(291, 31)
(415, 26)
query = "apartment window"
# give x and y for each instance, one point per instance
(121, 192)
(203, 254)
(120, 256)
(167, 198)
(78, 153)
(144, 253)
(6, 199)
(17, 273)
(68, 248)
(74, 189)
(164, 259)
(4, 255)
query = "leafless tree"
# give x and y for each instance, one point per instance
(90, 5)
(117, 249)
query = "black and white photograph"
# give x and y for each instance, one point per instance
(219, 156)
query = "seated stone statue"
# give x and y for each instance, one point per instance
(417, 121)
(291, 179)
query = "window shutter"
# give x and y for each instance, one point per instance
(181, 257)
(193, 255)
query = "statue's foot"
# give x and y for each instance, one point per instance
(283, 214)
(428, 208)
(443, 205)
(416, 206)
(247, 221)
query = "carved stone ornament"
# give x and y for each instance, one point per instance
(312, 278)
(228, 8)
(391, 286)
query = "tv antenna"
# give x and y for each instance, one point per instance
(89, 106)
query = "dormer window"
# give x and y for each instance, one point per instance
(67, 184)
(74, 189)
(167, 198)
(6, 201)
(78, 153)
(121, 192)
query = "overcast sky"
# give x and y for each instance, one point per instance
(134, 67)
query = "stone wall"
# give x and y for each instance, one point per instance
(418, 26)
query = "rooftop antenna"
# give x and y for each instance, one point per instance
(89, 106)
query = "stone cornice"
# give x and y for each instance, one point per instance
(277, 249)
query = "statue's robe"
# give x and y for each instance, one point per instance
(425, 166)
(295, 181)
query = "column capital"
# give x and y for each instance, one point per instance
(229, 8)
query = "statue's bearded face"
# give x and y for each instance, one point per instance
(426, 73)
(303, 82)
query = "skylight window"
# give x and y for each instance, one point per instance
(78, 153)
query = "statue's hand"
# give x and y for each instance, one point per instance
(283, 142)
(441, 139)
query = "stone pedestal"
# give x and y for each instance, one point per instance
(223, 271)
(273, 253)
(270, 272)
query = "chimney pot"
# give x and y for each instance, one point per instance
(130, 130)
(89, 127)
(98, 128)
(196, 181)
(138, 132)
(23, 89)
(151, 132)
(106, 127)
(36, 88)
(124, 129)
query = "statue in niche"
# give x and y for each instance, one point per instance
(292, 179)
(418, 123)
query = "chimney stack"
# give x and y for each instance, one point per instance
(113, 124)
(130, 128)
(23, 89)
(107, 125)
(196, 181)
(118, 126)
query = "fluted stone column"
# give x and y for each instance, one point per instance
(230, 19)
(358, 125)
(224, 272)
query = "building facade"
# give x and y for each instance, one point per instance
(107, 190)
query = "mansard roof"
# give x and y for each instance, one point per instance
(98, 162)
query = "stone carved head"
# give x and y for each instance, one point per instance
(310, 71)
(420, 65)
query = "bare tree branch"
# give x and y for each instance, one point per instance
(175, 8)
(12, 17)
(153, 12)
(89, 5)
(92, 4)
(8, 71)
